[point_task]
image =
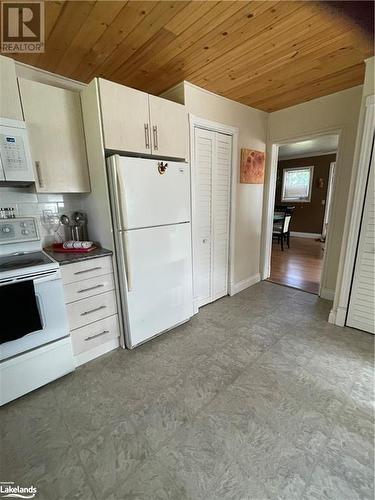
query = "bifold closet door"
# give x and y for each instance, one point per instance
(361, 312)
(211, 187)
(221, 175)
(202, 220)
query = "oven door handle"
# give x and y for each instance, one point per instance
(37, 278)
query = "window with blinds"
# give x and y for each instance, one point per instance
(297, 184)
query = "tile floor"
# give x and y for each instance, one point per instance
(256, 398)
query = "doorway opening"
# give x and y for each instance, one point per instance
(302, 203)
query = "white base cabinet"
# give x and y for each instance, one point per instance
(90, 298)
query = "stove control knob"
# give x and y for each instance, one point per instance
(6, 229)
(25, 231)
(23, 224)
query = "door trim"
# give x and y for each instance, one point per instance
(357, 194)
(195, 121)
(269, 196)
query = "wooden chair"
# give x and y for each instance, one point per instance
(281, 229)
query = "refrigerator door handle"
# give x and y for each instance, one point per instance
(125, 247)
(120, 205)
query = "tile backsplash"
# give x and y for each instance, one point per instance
(27, 203)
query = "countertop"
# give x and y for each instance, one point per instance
(69, 258)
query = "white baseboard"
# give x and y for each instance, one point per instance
(87, 356)
(242, 285)
(332, 316)
(337, 316)
(305, 235)
(195, 306)
(340, 316)
(327, 293)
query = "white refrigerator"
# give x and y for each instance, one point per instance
(150, 205)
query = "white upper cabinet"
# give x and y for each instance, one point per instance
(10, 103)
(125, 118)
(136, 122)
(169, 127)
(54, 122)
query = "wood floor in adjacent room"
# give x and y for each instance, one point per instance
(299, 266)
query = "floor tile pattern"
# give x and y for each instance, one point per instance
(256, 398)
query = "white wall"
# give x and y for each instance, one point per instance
(339, 111)
(252, 125)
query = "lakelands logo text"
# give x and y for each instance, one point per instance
(10, 490)
(22, 27)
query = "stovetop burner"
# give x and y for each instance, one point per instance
(21, 260)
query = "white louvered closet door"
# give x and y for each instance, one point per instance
(211, 187)
(220, 214)
(361, 313)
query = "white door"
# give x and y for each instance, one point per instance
(159, 280)
(221, 175)
(211, 192)
(125, 118)
(169, 127)
(153, 193)
(361, 313)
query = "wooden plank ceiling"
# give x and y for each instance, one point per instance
(266, 54)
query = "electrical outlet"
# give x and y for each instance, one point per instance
(50, 217)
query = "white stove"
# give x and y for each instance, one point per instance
(22, 264)
(35, 346)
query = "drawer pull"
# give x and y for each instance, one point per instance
(93, 310)
(90, 288)
(97, 335)
(88, 270)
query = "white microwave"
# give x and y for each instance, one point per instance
(15, 157)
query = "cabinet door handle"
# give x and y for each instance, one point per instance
(155, 134)
(88, 270)
(39, 174)
(90, 288)
(147, 138)
(93, 310)
(97, 335)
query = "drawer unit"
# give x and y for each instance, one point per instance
(81, 271)
(90, 298)
(92, 309)
(93, 286)
(93, 335)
